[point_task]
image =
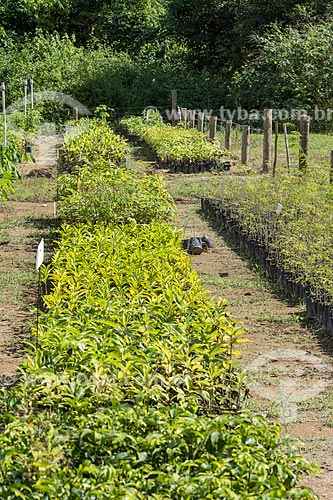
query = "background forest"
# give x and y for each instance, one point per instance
(130, 54)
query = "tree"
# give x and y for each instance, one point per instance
(126, 26)
(291, 69)
(219, 33)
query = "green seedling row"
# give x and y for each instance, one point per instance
(113, 195)
(97, 189)
(130, 389)
(299, 239)
(173, 143)
(92, 143)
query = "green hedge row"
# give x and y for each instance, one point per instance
(175, 147)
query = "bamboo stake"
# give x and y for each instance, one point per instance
(305, 132)
(200, 121)
(275, 147)
(212, 127)
(3, 90)
(287, 146)
(174, 107)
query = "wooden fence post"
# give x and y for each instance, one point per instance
(200, 121)
(183, 115)
(285, 132)
(193, 115)
(174, 107)
(304, 126)
(212, 127)
(227, 139)
(245, 144)
(267, 147)
(75, 114)
(331, 169)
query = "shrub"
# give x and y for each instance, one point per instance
(9, 157)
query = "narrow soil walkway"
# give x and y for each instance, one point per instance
(24, 219)
(288, 363)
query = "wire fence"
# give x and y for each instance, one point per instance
(255, 140)
(255, 144)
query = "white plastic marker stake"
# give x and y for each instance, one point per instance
(40, 254)
(39, 262)
(54, 209)
(279, 209)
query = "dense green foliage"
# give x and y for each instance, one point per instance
(126, 304)
(217, 53)
(12, 154)
(130, 390)
(114, 21)
(293, 69)
(221, 33)
(93, 74)
(115, 195)
(9, 157)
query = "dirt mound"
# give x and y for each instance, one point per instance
(39, 172)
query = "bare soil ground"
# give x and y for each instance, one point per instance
(25, 218)
(288, 359)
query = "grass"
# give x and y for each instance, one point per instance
(13, 280)
(319, 152)
(17, 270)
(135, 161)
(194, 185)
(4, 236)
(269, 317)
(39, 190)
(270, 409)
(208, 184)
(323, 404)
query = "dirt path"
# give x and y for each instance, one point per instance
(24, 219)
(289, 364)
